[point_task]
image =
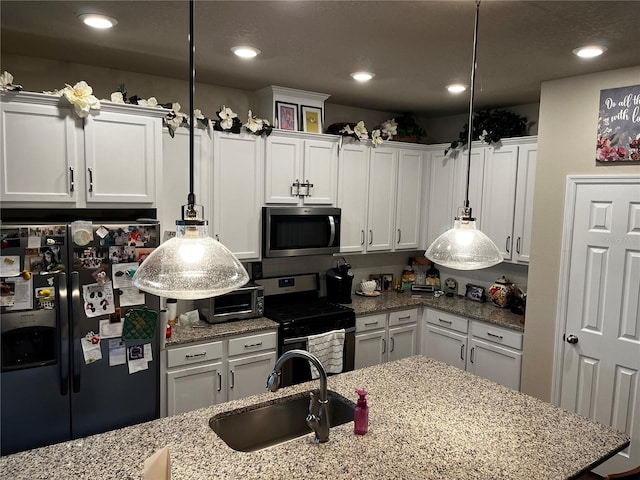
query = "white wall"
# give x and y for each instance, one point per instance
(566, 146)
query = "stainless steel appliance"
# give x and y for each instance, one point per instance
(297, 231)
(293, 301)
(245, 302)
(339, 282)
(51, 389)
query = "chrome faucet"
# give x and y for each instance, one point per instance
(318, 417)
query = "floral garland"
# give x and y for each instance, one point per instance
(81, 97)
(359, 132)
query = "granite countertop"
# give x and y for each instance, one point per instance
(486, 312)
(427, 420)
(203, 331)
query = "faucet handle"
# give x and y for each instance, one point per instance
(314, 405)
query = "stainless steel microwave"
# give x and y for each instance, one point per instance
(297, 231)
(245, 302)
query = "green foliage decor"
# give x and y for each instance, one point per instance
(490, 126)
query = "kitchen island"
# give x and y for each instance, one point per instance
(427, 421)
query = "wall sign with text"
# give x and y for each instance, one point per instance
(619, 126)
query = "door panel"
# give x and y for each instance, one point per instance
(601, 357)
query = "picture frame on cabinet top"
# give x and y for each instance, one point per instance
(287, 115)
(311, 118)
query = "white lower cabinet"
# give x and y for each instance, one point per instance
(204, 374)
(481, 348)
(385, 337)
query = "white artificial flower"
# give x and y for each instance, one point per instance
(389, 128)
(152, 102)
(6, 82)
(376, 138)
(175, 107)
(483, 136)
(117, 97)
(174, 122)
(197, 114)
(57, 93)
(253, 124)
(226, 115)
(361, 130)
(347, 130)
(82, 98)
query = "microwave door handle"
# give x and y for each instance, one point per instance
(332, 225)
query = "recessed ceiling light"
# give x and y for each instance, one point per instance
(245, 52)
(362, 76)
(98, 21)
(456, 88)
(590, 51)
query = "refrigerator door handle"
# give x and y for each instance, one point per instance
(63, 337)
(75, 337)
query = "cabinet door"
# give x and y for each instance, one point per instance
(409, 200)
(371, 348)
(175, 175)
(499, 364)
(382, 195)
(524, 202)
(476, 177)
(321, 169)
(41, 148)
(499, 195)
(194, 387)
(444, 345)
(352, 196)
(441, 197)
(120, 157)
(402, 341)
(248, 375)
(282, 169)
(237, 193)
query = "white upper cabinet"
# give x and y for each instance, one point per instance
(409, 199)
(300, 169)
(383, 170)
(524, 202)
(237, 192)
(352, 196)
(52, 158)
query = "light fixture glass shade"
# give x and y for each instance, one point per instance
(190, 266)
(464, 248)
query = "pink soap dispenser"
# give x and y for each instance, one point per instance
(361, 414)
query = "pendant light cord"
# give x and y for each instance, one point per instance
(191, 198)
(473, 89)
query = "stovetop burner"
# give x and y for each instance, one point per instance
(303, 310)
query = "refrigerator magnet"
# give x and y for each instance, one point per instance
(90, 351)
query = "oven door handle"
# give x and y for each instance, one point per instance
(288, 341)
(332, 225)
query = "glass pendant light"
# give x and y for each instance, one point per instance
(464, 247)
(191, 265)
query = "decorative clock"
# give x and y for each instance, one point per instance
(451, 286)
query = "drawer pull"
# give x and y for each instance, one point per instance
(370, 324)
(499, 337)
(72, 186)
(471, 356)
(384, 346)
(408, 317)
(233, 379)
(251, 345)
(219, 382)
(462, 352)
(448, 322)
(194, 355)
(393, 344)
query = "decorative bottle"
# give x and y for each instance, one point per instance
(361, 414)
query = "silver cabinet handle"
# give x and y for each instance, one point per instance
(332, 229)
(462, 352)
(362, 237)
(251, 345)
(233, 379)
(219, 382)
(194, 355)
(393, 344)
(499, 337)
(518, 246)
(90, 179)
(448, 322)
(72, 185)
(471, 356)
(508, 244)
(408, 317)
(370, 237)
(399, 235)
(370, 324)
(217, 237)
(384, 345)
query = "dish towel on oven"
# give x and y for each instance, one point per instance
(328, 347)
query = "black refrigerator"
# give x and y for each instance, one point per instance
(79, 343)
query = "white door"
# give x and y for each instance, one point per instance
(409, 198)
(321, 170)
(352, 196)
(382, 195)
(402, 341)
(370, 348)
(599, 300)
(248, 375)
(194, 387)
(444, 345)
(495, 362)
(282, 169)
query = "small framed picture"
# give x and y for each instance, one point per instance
(287, 115)
(387, 282)
(475, 293)
(378, 279)
(311, 119)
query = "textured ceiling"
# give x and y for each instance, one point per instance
(415, 48)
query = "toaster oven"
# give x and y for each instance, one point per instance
(245, 302)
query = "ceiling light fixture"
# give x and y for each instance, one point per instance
(464, 247)
(101, 22)
(456, 88)
(191, 265)
(362, 76)
(245, 52)
(590, 51)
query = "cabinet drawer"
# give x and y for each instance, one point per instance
(371, 322)
(447, 320)
(253, 343)
(193, 354)
(403, 316)
(497, 335)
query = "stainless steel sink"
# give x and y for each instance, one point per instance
(268, 425)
